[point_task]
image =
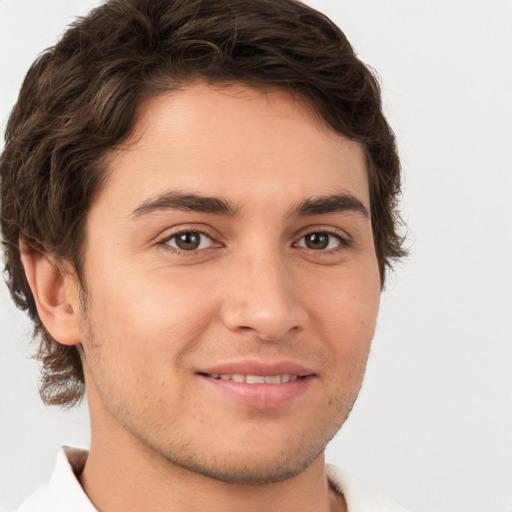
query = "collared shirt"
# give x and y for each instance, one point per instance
(65, 494)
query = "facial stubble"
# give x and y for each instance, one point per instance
(232, 465)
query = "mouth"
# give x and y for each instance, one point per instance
(259, 385)
(255, 379)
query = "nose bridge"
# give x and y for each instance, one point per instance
(263, 297)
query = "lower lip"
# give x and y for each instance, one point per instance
(262, 396)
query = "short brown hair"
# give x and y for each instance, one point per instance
(79, 101)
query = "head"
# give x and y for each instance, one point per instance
(85, 104)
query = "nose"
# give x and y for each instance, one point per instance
(263, 298)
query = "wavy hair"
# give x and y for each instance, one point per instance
(80, 98)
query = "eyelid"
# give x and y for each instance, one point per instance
(163, 241)
(345, 240)
(201, 235)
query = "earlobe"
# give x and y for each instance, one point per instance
(55, 293)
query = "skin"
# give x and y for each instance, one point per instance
(258, 288)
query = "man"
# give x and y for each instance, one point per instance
(198, 209)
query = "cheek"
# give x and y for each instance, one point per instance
(345, 313)
(149, 310)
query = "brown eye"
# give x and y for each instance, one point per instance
(320, 240)
(316, 241)
(189, 241)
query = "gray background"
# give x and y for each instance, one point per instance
(433, 425)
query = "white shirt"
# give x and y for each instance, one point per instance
(65, 494)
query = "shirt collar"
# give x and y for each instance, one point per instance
(358, 497)
(63, 493)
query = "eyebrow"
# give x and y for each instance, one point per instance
(194, 202)
(331, 204)
(186, 202)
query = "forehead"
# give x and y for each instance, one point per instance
(237, 141)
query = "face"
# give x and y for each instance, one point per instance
(232, 283)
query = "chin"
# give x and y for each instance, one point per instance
(252, 473)
(259, 460)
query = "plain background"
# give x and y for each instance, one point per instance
(433, 424)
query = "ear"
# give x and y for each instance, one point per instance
(56, 293)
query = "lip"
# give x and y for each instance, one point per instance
(259, 396)
(260, 368)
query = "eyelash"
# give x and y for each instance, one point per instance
(343, 242)
(164, 243)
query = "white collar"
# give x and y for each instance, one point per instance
(63, 493)
(358, 496)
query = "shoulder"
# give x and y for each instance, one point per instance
(63, 492)
(358, 496)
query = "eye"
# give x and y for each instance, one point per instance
(321, 241)
(189, 241)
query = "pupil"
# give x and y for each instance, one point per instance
(188, 241)
(317, 241)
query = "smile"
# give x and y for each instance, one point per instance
(255, 379)
(268, 391)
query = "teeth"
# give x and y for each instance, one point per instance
(255, 379)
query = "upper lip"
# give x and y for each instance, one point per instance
(264, 369)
